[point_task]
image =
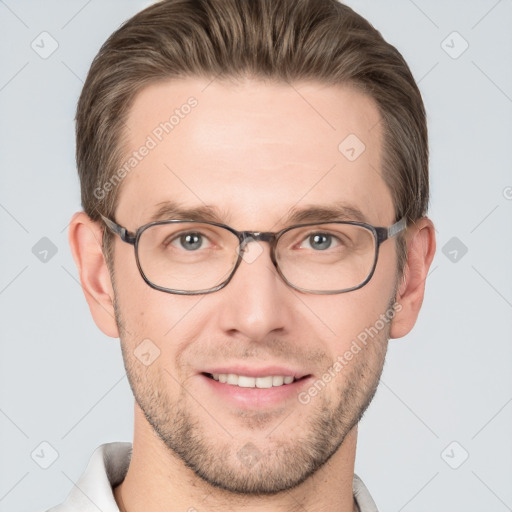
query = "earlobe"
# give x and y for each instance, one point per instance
(85, 238)
(421, 246)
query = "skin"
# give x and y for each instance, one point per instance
(255, 151)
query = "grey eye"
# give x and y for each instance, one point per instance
(191, 241)
(320, 241)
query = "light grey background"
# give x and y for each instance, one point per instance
(450, 380)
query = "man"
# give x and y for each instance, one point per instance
(254, 179)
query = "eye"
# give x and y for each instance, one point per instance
(319, 241)
(191, 241)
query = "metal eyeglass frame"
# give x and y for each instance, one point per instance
(380, 234)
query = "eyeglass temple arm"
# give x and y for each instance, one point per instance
(118, 230)
(397, 227)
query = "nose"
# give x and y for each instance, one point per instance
(256, 302)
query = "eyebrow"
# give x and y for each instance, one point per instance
(171, 210)
(315, 213)
(320, 213)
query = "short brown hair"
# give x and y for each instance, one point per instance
(279, 40)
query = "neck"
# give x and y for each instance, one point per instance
(158, 480)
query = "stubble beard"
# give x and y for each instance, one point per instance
(233, 462)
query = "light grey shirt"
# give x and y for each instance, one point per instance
(108, 467)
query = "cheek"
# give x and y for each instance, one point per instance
(346, 315)
(144, 311)
(154, 321)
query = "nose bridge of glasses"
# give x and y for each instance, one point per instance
(256, 236)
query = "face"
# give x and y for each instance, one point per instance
(254, 154)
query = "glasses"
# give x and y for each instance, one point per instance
(191, 257)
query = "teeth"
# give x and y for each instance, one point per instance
(243, 381)
(277, 380)
(262, 382)
(251, 382)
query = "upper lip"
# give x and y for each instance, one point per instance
(251, 371)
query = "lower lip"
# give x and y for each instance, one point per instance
(254, 398)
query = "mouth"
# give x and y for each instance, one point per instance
(242, 386)
(260, 382)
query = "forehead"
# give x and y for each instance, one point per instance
(252, 151)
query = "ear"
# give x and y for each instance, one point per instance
(85, 238)
(421, 247)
